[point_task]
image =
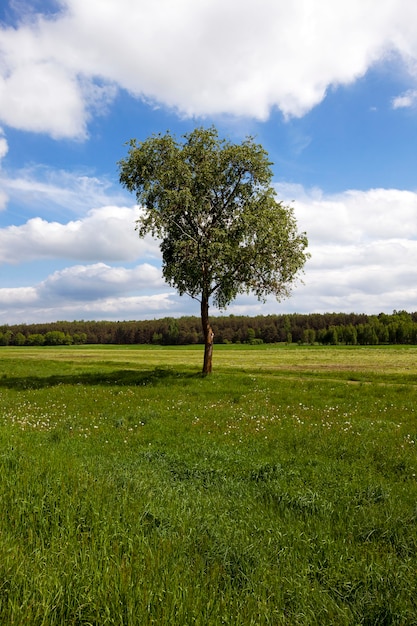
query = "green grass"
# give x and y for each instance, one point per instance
(280, 490)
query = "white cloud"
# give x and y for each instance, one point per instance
(3, 151)
(4, 148)
(405, 100)
(43, 98)
(122, 308)
(202, 58)
(12, 297)
(354, 216)
(95, 291)
(39, 188)
(363, 247)
(98, 281)
(106, 234)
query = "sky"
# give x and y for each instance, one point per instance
(329, 88)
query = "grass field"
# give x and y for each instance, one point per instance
(280, 490)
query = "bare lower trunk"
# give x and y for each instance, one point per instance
(208, 337)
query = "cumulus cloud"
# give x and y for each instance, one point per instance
(98, 281)
(105, 234)
(122, 308)
(363, 248)
(354, 216)
(12, 297)
(96, 291)
(201, 58)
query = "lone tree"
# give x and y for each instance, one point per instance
(222, 231)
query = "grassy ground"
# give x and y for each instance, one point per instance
(280, 490)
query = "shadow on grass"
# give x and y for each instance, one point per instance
(129, 378)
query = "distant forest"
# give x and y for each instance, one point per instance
(329, 328)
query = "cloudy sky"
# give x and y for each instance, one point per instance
(329, 88)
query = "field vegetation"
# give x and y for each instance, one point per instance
(281, 490)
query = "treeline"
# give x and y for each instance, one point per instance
(330, 328)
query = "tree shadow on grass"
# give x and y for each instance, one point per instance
(117, 378)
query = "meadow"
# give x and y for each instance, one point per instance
(281, 490)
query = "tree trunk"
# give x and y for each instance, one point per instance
(208, 336)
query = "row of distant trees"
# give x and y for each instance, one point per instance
(400, 327)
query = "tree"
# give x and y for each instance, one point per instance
(5, 338)
(212, 205)
(35, 339)
(57, 338)
(19, 339)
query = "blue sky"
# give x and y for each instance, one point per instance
(329, 89)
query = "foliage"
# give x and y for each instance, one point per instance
(57, 338)
(212, 205)
(328, 328)
(136, 493)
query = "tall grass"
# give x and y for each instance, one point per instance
(281, 490)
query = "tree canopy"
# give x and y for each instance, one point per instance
(213, 206)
